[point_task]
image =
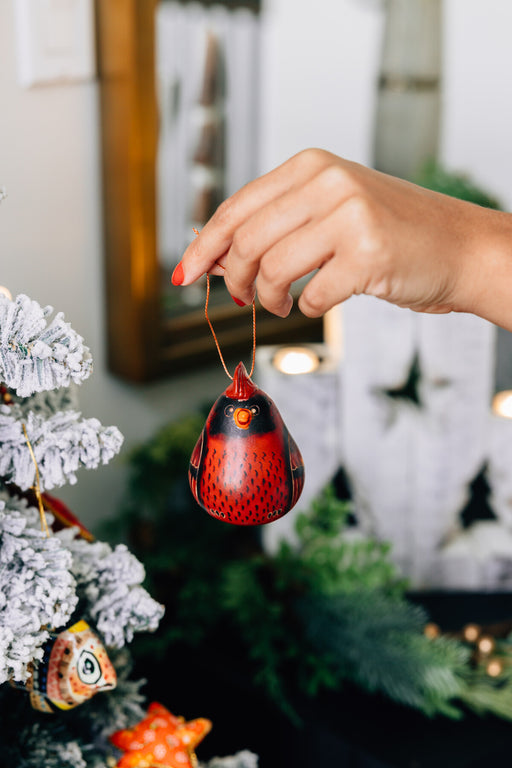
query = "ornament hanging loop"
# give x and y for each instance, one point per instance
(196, 232)
(215, 335)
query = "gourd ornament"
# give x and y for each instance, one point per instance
(75, 666)
(246, 468)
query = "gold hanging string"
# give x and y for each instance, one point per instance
(215, 335)
(196, 232)
(37, 487)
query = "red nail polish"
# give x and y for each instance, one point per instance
(237, 301)
(178, 275)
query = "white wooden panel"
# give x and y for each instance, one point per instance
(309, 405)
(411, 465)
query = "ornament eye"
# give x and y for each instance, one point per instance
(255, 409)
(229, 410)
(88, 668)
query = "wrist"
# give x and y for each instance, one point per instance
(485, 277)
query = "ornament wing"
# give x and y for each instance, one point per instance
(297, 469)
(195, 463)
(64, 515)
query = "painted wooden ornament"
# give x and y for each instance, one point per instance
(75, 666)
(246, 468)
(161, 739)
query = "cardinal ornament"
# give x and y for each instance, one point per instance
(246, 468)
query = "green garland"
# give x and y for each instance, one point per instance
(434, 176)
(329, 610)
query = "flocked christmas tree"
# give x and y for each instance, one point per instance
(51, 580)
(69, 605)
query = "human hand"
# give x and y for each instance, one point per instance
(352, 230)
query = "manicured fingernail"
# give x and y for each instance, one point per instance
(178, 275)
(240, 303)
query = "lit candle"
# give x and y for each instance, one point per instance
(294, 360)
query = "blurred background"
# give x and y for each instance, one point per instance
(124, 123)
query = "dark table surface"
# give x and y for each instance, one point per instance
(348, 729)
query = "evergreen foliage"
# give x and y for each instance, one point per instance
(349, 616)
(37, 355)
(483, 694)
(434, 176)
(307, 618)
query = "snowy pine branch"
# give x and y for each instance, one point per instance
(42, 580)
(110, 582)
(243, 759)
(37, 355)
(38, 747)
(61, 443)
(36, 587)
(44, 403)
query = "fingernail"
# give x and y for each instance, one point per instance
(178, 275)
(286, 308)
(237, 301)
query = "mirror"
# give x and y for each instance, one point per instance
(166, 166)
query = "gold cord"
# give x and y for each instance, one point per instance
(37, 487)
(196, 232)
(215, 335)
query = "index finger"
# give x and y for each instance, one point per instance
(216, 237)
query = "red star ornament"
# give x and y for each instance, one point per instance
(161, 740)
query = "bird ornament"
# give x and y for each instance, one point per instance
(246, 468)
(74, 667)
(161, 739)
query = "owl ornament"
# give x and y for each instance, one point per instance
(246, 468)
(74, 667)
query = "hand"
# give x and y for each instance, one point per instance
(353, 230)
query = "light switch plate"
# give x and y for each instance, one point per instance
(55, 41)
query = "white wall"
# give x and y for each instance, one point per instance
(320, 63)
(50, 245)
(477, 123)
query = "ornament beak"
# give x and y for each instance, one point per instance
(242, 417)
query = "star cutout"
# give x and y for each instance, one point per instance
(161, 740)
(409, 390)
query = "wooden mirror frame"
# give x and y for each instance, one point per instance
(141, 343)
